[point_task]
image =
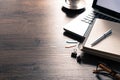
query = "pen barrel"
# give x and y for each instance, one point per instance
(102, 37)
(108, 32)
(98, 40)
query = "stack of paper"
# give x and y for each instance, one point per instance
(109, 47)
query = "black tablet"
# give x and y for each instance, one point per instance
(110, 7)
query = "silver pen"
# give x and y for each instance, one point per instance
(107, 33)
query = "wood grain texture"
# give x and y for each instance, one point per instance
(32, 44)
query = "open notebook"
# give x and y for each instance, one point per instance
(108, 47)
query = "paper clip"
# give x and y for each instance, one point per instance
(73, 42)
(70, 46)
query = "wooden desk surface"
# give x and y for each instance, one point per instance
(32, 44)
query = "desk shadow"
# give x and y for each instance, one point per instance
(72, 13)
(95, 60)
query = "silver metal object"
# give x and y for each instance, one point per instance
(74, 4)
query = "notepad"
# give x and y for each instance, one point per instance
(107, 48)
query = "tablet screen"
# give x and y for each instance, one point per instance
(110, 7)
(113, 5)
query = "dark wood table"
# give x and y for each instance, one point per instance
(32, 44)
